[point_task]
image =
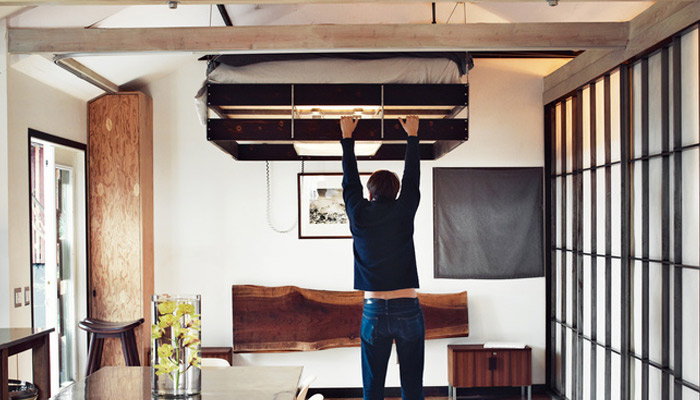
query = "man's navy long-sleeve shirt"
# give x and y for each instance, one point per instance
(382, 229)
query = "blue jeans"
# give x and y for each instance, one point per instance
(384, 321)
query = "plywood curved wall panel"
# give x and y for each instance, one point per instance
(121, 214)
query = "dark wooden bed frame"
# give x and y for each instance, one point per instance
(270, 138)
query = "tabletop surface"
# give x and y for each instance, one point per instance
(245, 382)
(13, 336)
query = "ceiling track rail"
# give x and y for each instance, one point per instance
(70, 64)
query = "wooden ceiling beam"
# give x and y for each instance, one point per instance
(481, 36)
(654, 25)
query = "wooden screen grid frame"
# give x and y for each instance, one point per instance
(578, 265)
(260, 122)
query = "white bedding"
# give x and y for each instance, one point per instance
(334, 70)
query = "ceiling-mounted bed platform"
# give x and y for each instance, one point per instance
(300, 121)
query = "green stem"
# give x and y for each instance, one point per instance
(177, 375)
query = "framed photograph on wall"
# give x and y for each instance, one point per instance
(321, 206)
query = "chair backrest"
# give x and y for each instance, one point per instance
(214, 363)
(304, 387)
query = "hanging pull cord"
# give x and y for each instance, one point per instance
(269, 201)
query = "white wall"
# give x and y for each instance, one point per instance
(5, 293)
(211, 232)
(38, 106)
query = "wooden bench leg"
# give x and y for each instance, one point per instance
(131, 354)
(94, 354)
(91, 354)
(134, 349)
(98, 356)
(125, 349)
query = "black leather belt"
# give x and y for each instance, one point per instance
(400, 300)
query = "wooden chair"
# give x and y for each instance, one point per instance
(98, 330)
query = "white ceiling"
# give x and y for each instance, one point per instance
(285, 14)
(135, 70)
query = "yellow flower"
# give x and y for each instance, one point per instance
(165, 350)
(156, 332)
(195, 324)
(194, 360)
(166, 367)
(166, 320)
(191, 341)
(167, 307)
(160, 369)
(184, 309)
(178, 331)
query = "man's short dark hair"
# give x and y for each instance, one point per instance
(384, 184)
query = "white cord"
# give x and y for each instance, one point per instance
(269, 201)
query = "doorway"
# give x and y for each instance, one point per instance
(57, 195)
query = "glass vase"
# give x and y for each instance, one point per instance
(176, 344)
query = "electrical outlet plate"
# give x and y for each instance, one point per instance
(18, 297)
(27, 295)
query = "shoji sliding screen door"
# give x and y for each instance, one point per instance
(623, 157)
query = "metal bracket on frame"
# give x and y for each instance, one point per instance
(382, 119)
(292, 123)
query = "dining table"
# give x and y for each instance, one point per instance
(237, 382)
(16, 340)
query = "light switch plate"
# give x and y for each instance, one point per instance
(18, 297)
(27, 295)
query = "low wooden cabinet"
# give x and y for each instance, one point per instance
(472, 365)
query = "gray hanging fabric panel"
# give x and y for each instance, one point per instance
(488, 223)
